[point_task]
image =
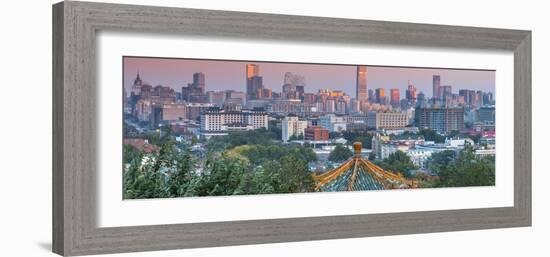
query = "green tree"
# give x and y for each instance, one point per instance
(140, 183)
(130, 153)
(340, 153)
(222, 176)
(398, 162)
(467, 170)
(441, 159)
(296, 137)
(359, 136)
(432, 135)
(182, 173)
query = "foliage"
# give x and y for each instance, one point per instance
(258, 154)
(222, 176)
(467, 170)
(340, 153)
(296, 137)
(359, 136)
(129, 153)
(441, 159)
(244, 169)
(398, 162)
(432, 135)
(251, 137)
(334, 134)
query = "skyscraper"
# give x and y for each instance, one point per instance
(361, 92)
(195, 92)
(445, 91)
(395, 96)
(440, 119)
(411, 93)
(199, 81)
(371, 95)
(254, 83)
(436, 87)
(294, 86)
(252, 70)
(379, 94)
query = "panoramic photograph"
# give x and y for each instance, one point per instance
(197, 127)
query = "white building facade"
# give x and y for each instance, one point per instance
(292, 126)
(333, 123)
(220, 122)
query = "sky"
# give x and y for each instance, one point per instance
(223, 75)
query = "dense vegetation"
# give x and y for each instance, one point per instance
(340, 153)
(398, 162)
(244, 163)
(463, 169)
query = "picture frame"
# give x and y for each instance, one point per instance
(75, 25)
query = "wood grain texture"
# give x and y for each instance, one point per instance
(75, 25)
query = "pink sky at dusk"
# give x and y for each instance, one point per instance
(222, 75)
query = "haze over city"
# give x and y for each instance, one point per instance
(225, 75)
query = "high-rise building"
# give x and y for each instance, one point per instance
(371, 98)
(254, 82)
(486, 114)
(216, 97)
(361, 92)
(254, 85)
(479, 98)
(379, 95)
(395, 96)
(446, 91)
(421, 99)
(194, 92)
(469, 97)
(341, 107)
(436, 87)
(292, 126)
(309, 98)
(199, 81)
(382, 120)
(252, 70)
(440, 119)
(411, 93)
(294, 86)
(487, 98)
(330, 106)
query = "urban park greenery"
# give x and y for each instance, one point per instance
(244, 163)
(255, 162)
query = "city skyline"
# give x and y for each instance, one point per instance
(231, 75)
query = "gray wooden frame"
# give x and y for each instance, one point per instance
(75, 25)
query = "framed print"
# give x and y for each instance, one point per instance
(183, 128)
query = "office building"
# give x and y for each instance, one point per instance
(436, 83)
(384, 120)
(441, 119)
(316, 134)
(361, 92)
(333, 122)
(411, 93)
(217, 121)
(292, 126)
(395, 96)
